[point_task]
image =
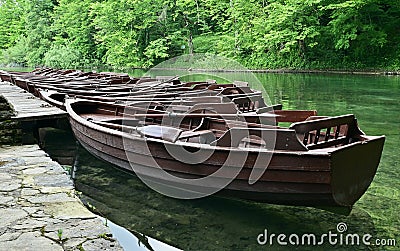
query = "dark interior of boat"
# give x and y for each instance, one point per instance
(306, 131)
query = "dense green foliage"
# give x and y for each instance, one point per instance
(258, 34)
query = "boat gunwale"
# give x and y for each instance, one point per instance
(317, 152)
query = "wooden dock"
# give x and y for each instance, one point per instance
(30, 112)
(28, 107)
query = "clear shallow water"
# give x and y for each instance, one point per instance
(127, 240)
(223, 224)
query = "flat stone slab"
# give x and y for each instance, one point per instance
(39, 209)
(5, 199)
(8, 216)
(31, 241)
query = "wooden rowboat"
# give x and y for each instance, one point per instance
(317, 161)
(219, 104)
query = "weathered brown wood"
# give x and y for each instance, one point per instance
(249, 103)
(307, 126)
(297, 177)
(284, 139)
(345, 126)
(294, 115)
(218, 108)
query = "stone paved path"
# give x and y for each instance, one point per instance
(39, 209)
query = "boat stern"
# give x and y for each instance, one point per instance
(353, 168)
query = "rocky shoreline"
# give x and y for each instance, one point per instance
(39, 208)
(283, 71)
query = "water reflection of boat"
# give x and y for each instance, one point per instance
(317, 161)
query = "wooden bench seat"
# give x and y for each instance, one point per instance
(285, 139)
(219, 108)
(166, 133)
(327, 132)
(201, 136)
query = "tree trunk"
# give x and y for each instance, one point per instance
(190, 43)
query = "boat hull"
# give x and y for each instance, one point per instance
(292, 178)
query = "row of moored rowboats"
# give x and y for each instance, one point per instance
(192, 139)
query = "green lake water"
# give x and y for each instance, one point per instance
(223, 224)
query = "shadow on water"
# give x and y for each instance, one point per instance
(205, 224)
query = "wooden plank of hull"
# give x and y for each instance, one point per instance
(6, 78)
(203, 169)
(21, 83)
(48, 97)
(273, 195)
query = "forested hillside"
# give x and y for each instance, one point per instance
(313, 34)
